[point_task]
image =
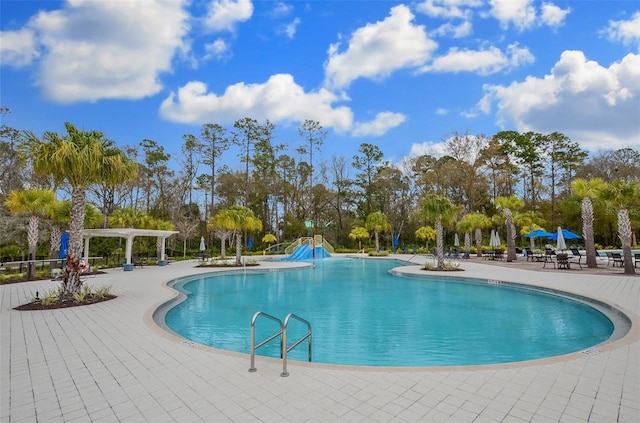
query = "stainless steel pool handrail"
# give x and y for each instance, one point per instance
(286, 349)
(253, 337)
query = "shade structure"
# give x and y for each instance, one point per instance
(560, 244)
(456, 241)
(202, 246)
(566, 234)
(539, 233)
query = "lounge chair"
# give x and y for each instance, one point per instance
(578, 255)
(617, 259)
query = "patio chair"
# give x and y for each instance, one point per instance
(636, 259)
(549, 257)
(498, 255)
(563, 261)
(529, 254)
(617, 259)
(609, 258)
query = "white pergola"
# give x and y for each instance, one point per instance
(128, 234)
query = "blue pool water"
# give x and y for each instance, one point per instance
(363, 315)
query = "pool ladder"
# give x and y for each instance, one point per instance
(282, 333)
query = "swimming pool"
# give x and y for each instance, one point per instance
(363, 315)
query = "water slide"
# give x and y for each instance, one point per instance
(304, 252)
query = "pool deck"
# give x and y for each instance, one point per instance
(109, 362)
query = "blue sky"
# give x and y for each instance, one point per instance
(401, 75)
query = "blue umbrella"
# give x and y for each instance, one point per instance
(566, 234)
(64, 245)
(250, 243)
(539, 233)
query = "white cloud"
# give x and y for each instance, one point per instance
(93, 50)
(448, 8)
(626, 31)
(224, 15)
(442, 112)
(281, 9)
(435, 149)
(592, 104)
(379, 126)
(552, 15)
(279, 99)
(290, 28)
(377, 50)
(523, 15)
(219, 49)
(484, 62)
(18, 48)
(455, 31)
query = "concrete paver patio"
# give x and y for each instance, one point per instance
(109, 362)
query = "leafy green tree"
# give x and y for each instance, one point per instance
(377, 222)
(214, 143)
(12, 166)
(314, 135)
(247, 132)
(441, 211)
(190, 149)
(35, 203)
(367, 163)
(525, 151)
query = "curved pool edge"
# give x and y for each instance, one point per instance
(154, 320)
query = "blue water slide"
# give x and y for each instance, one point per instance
(304, 252)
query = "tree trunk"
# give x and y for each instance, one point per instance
(440, 245)
(238, 248)
(32, 240)
(478, 242)
(624, 232)
(587, 232)
(377, 243)
(77, 221)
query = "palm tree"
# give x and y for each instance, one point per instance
(377, 222)
(80, 159)
(222, 225)
(509, 205)
(477, 222)
(359, 233)
(440, 210)
(269, 238)
(588, 190)
(241, 219)
(622, 196)
(426, 233)
(35, 203)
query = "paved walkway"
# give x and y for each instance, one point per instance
(109, 362)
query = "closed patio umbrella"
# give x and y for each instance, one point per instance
(560, 244)
(202, 246)
(456, 241)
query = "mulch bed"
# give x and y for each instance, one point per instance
(37, 305)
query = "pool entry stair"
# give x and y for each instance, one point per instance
(282, 333)
(307, 248)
